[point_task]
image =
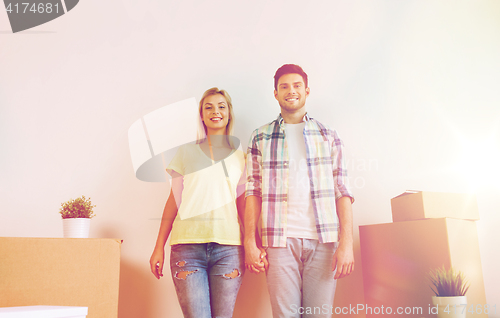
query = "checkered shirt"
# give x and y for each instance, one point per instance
(267, 177)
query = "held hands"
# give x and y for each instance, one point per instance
(156, 262)
(343, 260)
(256, 259)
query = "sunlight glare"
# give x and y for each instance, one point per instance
(479, 163)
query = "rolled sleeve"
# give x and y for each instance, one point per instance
(339, 171)
(254, 168)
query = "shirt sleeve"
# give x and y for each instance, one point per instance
(339, 168)
(176, 165)
(254, 167)
(243, 178)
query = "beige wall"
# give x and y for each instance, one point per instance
(408, 85)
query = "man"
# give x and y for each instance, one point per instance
(296, 196)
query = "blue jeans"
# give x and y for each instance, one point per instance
(207, 278)
(300, 278)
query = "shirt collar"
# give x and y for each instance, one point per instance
(281, 121)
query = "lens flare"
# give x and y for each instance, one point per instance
(479, 162)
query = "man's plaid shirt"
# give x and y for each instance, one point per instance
(267, 177)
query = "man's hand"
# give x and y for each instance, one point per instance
(343, 260)
(255, 258)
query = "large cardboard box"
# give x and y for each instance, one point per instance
(419, 205)
(61, 272)
(397, 257)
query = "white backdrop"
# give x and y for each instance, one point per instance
(412, 87)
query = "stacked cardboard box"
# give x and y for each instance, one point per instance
(61, 272)
(429, 230)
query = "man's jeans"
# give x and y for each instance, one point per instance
(300, 278)
(207, 278)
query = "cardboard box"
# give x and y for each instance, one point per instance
(43, 312)
(419, 205)
(61, 272)
(397, 257)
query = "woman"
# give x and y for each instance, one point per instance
(201, 215)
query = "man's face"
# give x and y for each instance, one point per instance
(291, 93)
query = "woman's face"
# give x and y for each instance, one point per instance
(215, 114)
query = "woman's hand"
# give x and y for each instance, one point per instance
(156, 262)
(255, 258)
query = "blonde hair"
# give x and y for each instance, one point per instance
(202, 128)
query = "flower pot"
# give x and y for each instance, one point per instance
(451, 307)
(76, 228)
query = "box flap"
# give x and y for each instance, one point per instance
(407, 192)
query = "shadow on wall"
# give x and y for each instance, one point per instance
(136, 288)
(136, 292)
(253, 297)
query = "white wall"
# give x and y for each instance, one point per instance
(409, 85)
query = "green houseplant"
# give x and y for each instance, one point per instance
(76, 215)
(449, 287)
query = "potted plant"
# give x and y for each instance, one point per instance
(449, 288)
(76, 215)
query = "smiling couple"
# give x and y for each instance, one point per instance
(299, 233)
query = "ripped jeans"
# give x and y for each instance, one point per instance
(207, 278)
